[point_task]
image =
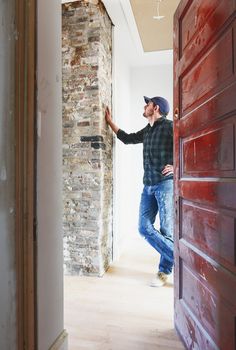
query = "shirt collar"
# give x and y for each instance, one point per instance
(158, 121)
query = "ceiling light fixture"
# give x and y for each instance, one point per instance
(158, 17)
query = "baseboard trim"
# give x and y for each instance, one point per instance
(61, 343)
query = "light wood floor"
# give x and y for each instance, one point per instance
(120, 311)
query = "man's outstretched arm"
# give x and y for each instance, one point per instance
(133, 138)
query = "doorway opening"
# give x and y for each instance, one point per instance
(130, 82)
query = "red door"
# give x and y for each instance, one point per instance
(205, 173)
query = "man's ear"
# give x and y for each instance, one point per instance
(157, 108)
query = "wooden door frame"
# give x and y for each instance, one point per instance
(25, 112)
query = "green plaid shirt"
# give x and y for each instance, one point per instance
(157, 148)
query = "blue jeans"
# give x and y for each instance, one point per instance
(154, 199)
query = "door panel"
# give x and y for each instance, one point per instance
(198, 23)
(212, 232)
(210, 152)
(206, 77)
(205, 173)
(202, 303)
(221, 104)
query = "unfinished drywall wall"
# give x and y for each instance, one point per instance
(49, 179)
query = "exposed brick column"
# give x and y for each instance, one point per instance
(87, 142)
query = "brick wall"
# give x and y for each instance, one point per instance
(87, 141)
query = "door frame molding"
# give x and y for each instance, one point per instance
(25, 112)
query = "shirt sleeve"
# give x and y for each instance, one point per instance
(133, 138)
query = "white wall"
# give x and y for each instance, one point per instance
(150, 81)
(49, 176)
(120, 111)
(7, 180)
(135, 73)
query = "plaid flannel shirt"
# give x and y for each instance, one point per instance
(157, 148)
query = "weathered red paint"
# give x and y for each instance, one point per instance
(211, 231)
(209, 151)
(207, 76)
(205, 173)
(207, 307)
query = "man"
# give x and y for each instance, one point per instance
(157, 195)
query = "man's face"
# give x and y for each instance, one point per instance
(148, 110)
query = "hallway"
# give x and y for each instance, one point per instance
(120, 311)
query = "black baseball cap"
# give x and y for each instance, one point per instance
(159, 101)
